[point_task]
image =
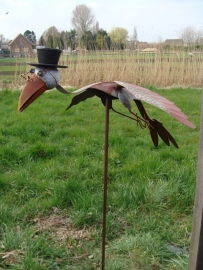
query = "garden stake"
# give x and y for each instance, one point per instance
(106, 135)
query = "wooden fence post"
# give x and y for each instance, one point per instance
(196, 244)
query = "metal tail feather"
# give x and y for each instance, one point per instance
(156, 128)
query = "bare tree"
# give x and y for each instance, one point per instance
(1, 39)
(95, 28)
(199, 37)
(51, 31)
(51, 38)
(135, 36)
(191, 36)
(82, 19)
(133, 40)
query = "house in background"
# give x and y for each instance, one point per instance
(141, 45)
(174, 42)
(21, 46)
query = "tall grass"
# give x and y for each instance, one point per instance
(51, 164)
(157, 69)
(138, 68)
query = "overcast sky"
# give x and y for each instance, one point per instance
(154, 19)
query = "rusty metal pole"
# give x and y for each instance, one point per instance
(105, 181)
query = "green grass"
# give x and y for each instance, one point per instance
(53, 159)
(13, 68)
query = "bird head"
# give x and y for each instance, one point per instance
(40, 80)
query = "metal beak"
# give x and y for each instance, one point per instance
(33, 88)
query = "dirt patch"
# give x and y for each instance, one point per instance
(60, 227)
(11, 257)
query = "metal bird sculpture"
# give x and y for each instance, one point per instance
(44, 79)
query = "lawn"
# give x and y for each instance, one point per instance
(51, 181)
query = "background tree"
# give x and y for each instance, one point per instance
(82, 19)
(135, 35)
(199, 37)
(95, 28)
(51, 31)
(52, 37)
(118, 37)
(64, 39)
(102, 32)
(100, 39)
(54, 42)
(42, 41)
(2, 38)
(88, 41)
(133, 40)
(50, 42)
(100, 42)
(107, 41)
(72, 39)
(191, 36)
(69, 39)
(30, 35)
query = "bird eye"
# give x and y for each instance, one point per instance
(40, 73)
(32, 70)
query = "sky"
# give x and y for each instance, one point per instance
(155, 20)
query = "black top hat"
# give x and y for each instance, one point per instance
(48, 57)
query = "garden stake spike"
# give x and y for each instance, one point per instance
(106, 143)
(46, 76)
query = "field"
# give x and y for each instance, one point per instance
(146, 69)
(51, 164)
